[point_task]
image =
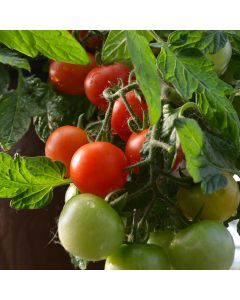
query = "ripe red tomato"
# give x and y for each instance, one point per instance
(69, 78)
(133, 148)
(63, 143)
(93, 42)
(179, 159)
(120, 114)
(98, 168)
(99, 78)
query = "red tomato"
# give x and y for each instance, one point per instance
(98, 168)
(93, 42)
(99, 79)
(69, 78)
(179, 159)
(63, 143)
(120, 114)
(134, 146)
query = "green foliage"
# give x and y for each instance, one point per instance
(146, 73)
(115, 48)
(54, 44)
(4, 79)
(59, 110)
(13, 59)
(189, 72)
(207, 156)
(29, 181)
(209, 41)
(16, 110)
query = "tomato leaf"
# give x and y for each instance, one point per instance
(146, 72)
(59, 110)
(13, 59)
(29, 181)
(208, 157)
(210, 41)
(54, 44)
(188, 71)
(16, 109)
(234, 37)
(115, 47)
(4, 79)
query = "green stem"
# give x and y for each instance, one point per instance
(159, 144)
(104, 131)
(138, 164)
(130, 110)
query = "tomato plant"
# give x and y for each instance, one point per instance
(98, 168)
(101, 78)
(64, 142)
(89, 228)
(208, 245)
(138, 257)
(164, 109)
(69, 78)
(220, 205)
(121, 115)
(134, 146)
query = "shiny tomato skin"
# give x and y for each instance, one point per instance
(98, 168)
(134, 146)
(205, 245)
(90, 228)
(99, 78)
(120, 114)
(69, 78)
(219, 205)
(63, 143)
(93, 42)
(161, 238)
(138, 257)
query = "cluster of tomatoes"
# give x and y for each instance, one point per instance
(88, 226)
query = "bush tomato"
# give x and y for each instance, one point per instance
(120, 114)
(64, 142)
(69, 78)
(134, 146)
(138, 257)
(100, 78)
(98, 168)
(219, 205)
(90, 228)
(206, 245)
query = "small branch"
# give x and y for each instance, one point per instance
(138, 164)
(162, 145)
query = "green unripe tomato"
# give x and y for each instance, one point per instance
(138, 257)
(161, 238)
(221, 58)
(90, 228)
(71, 192)
(206, 245)
(219, 205)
